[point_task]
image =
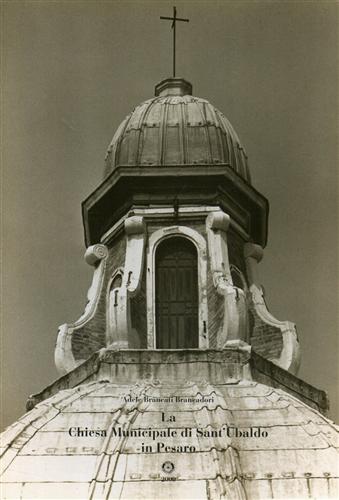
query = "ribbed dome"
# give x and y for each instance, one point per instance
(175, 128)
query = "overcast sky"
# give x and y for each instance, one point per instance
(73, 70)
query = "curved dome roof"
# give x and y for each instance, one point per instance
(58, 449)
(176, 128)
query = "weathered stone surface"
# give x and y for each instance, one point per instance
(266, 339)
(139, 312)
(297, 456)
(125, 318)
(236, 251)
(215, 422)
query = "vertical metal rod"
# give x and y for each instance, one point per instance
(174, 20)
(174, 49)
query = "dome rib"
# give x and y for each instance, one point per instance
(206, 129)
(162, 128)
(141, 125)
(182, 138)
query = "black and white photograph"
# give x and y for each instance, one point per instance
(169, 239)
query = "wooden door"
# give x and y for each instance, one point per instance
(176, 292)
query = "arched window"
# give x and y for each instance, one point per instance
(116, 283)
(113, 290)
(176, 294)
(238, 278)
(117, 280)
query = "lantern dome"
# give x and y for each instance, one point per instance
(175, 128)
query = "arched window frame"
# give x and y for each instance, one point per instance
(119, 271)
(199, 242)
(234, 269)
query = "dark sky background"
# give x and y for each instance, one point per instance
(71, 72)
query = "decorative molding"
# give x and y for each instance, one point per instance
(253, 254)
(120, 328)
(205, 185)
(96, 255)
(135, 229)
(236, 271)
(218, 221)
(254, 251)
(289, 358)
(268, 373)
(166, 214)
(111, 301)
(201, 247)
(235, 322)
(235, 355)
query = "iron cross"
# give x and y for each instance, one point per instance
(174, 19)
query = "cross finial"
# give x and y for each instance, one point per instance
(174, 19)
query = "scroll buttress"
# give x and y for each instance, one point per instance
(67, 353)
(120, 333)
(235, 318)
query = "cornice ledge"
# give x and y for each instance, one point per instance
(267, 372)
